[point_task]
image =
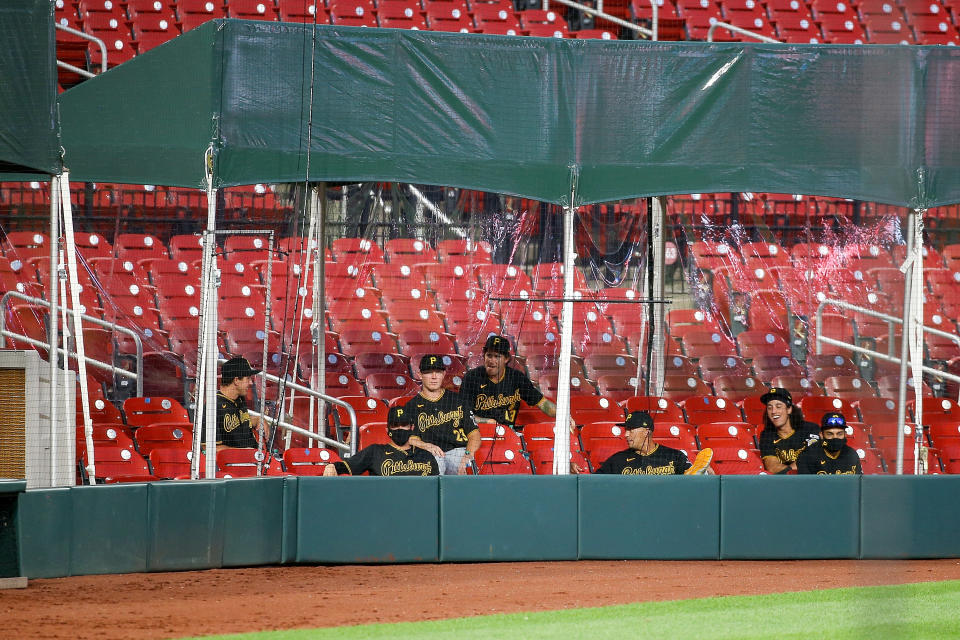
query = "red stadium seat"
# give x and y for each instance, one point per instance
(309, 462)
(706, 408)
(736, 461)
(387, 386)
(173, 463)
(161, 435)
(597, 435)
(242, 463)
(149, 410)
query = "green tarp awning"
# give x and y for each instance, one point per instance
(28, 90)
(522, 115)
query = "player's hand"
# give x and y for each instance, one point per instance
(462, 469)
(575, 468)
(434, 449)
(573, 425)
(330, 470)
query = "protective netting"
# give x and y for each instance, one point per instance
(751, 280)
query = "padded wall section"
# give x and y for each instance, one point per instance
(291, 489)
(109, 527)
(252, 521)
(10, 491)
(365, 519)
(789, 517)
(637, 517)
(186, 524)
(504, 518)
(910, 517)
(46, 520)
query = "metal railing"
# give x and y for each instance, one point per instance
(137, 376)
(735, 29)
(890, 320)
(86, 36)
(598, 13)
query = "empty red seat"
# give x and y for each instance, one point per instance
(160, 435)
(243, 463)
(707, 408)
(173, 463)
(309, 462)
(736, 461)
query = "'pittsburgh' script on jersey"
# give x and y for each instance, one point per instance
(425, 420)
(485, 402)
(392, 467)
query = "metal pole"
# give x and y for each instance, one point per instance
(907, 321)
(53, 333)
(657, 370)
(561, 445)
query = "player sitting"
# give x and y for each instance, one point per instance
(442, 421)
(395, 459)
(785, 433)
(834, 457)
(646, 457)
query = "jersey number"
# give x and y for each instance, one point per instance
(461, 436)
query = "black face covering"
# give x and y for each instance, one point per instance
(400, 437)
(834, 445)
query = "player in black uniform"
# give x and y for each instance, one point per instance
(646, 457)
(235, 428)
(442, 421)
(785, 433)
(494, 390)
(834, 457)
(395, 459)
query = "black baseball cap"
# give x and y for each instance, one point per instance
(432, 362)
(237, 368)
(637, 420)
(399, 416)
(777, 393)
(833, 420)
(497, 344)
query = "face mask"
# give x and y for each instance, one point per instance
(834, 445)
(400, 436)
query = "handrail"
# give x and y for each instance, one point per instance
(599, 14)
(85, 36)
(735, 29)
(295, 429)
(137, 377)
(890, 320)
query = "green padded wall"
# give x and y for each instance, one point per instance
(368, 520)
(504, 518)
(669, 517)
(789, 517)
(910, 517)
(291, 489)
(10, 491)
(46, 532)
(252, 521)
(186, 524)
(109, 527)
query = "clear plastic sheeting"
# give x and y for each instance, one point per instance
(751, 281)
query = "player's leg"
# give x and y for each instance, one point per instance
(451, 461)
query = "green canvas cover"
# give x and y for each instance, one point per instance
(28, 90)
(524, 116)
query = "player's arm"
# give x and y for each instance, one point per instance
(549, 408)
(772, 464)
(473, 444)
(415, 441)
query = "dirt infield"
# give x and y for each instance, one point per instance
(170, 605)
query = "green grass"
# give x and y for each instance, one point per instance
(923, 610)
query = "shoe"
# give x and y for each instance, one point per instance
(701, 463)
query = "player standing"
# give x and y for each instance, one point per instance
(442, 422)
(494, 390)
(643, 456)
(834, 457)
(395, 459)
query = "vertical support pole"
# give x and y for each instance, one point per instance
(561, 445)
(53, 332)
(915, 337)
(906, 268)
(70, 251)
(262, 439)
(318, 219)
(656, 371)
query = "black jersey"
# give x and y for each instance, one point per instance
(233, 423)
(389, 460)
(787, 449)
(498, 400)
(445, 422)
(818, 460)
(662, 461)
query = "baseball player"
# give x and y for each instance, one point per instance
(833, 457)
(785, 433)
(395, 459)
(443, 425)
(235, 426)
(644, 457)
(494, 390)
